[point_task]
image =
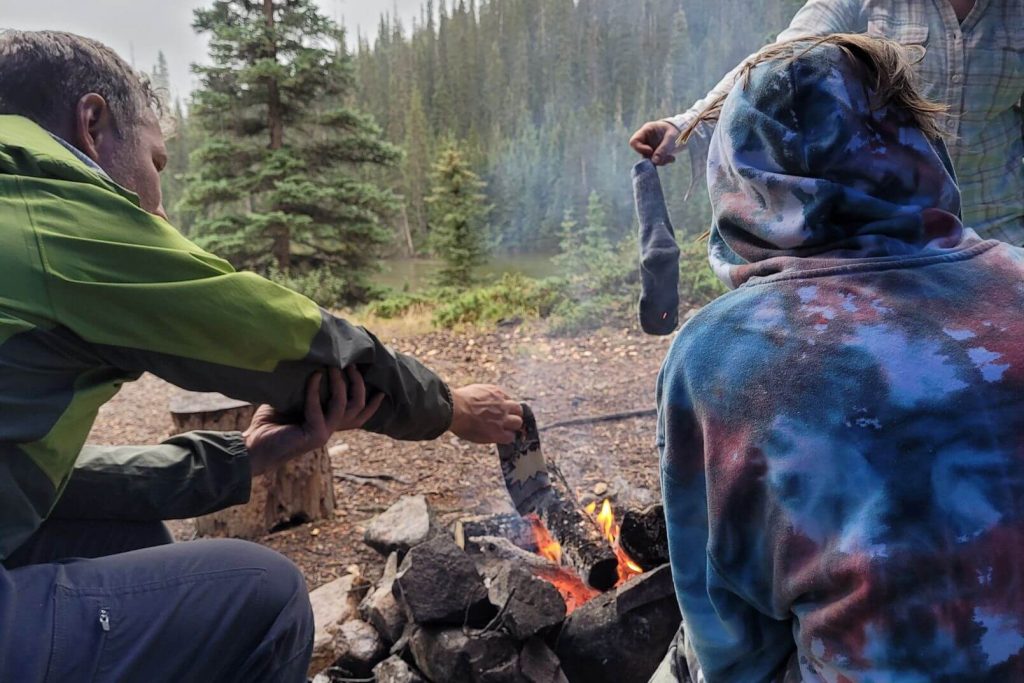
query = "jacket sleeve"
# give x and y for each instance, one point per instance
(188, 475)
(816, 18)
(727, 638)
(147, 299)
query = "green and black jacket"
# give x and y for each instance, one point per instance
(95, 291)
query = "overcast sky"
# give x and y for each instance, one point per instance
(137, 29)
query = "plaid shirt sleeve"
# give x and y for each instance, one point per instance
(816, 18)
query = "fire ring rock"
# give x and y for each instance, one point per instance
(380, 608)
(402, 526)
(454, 654)
(538, 664)
(438, 583)
(395, 670)
(621, 636)
(359, 648)
(527, 604)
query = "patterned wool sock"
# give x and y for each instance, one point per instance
(659, 254)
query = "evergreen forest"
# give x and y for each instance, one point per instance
(479, 129)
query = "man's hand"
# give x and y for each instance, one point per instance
(656, 140)
(273, 439)
(483, 413)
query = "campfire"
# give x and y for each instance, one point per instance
(557, 591)
(494, 599)
(573, 589)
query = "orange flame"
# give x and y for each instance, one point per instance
(573, 589)
(610, 528)
(547, 546)
(571, 586)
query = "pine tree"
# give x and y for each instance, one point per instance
(160, 77)
(179, 147)
(458, 210)
(275, 181)
(416, 165)
(541, 96)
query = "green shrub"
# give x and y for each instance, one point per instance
(574, 316)
(396, 304)
(698, 284)
(512, 296)
(323, 286)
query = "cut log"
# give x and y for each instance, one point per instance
(585, 550)
(510, 526)
(301, 490)
(644, 537)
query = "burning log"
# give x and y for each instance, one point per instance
(584, 548)
(498, 553)
(644, 537)
(510, 525)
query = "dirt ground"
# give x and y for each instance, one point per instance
(612, 370)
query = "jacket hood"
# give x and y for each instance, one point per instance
(803, 163)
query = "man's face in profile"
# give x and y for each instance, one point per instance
(134, 160)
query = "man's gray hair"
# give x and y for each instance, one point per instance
(43, 75)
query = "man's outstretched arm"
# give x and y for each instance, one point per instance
(146, 299)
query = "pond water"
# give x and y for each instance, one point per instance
(415, 274)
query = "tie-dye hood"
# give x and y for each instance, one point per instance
(804, 164)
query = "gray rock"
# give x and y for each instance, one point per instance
(652, 586)
(359, 648)
(402, 526)
(333, 603)
(527, 604)
(466, 656)
(396, 670)
(402, 644)
(620, 637)
(380, 608)
(438, 583)
(538, 664)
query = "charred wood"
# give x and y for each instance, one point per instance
(585, 550)
(644, 537)
(510, 526)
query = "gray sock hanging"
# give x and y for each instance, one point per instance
(659, 254)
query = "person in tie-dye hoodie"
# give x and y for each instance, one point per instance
(842, 435)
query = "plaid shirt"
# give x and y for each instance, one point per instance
(975, 68)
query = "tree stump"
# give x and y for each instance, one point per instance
(301, 490)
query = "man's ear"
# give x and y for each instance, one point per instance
(94, 126)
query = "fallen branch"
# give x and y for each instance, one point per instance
(595, 419)
(361, 481)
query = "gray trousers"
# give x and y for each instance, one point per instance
(115, 601)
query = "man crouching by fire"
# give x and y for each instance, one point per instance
(842, 435)
(96, 288)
